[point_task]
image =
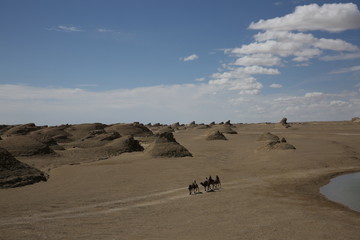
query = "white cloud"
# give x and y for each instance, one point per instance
(240, 79)
(313, 94)
(301, 46)
(338, 103)
(63, 28)
(190, 58)
(282, 41)
(306, 39)
(346, 70)
(335, 45)
(63, 105)
(244, 86)
(276, 85)
(283, 49)
(243, 72)
(309, 107)
(285, 36)
(168, 104)
(258, 59)
(335, 17)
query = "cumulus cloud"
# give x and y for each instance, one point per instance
(334, 17)
(190, 58)
(303, 47)
(240, 79)
(246, 71)
(258, 60)
(306, 39)
(268, 47)
(283, 40)
(335, 45)
(244, 85)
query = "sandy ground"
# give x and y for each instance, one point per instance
(264, 195)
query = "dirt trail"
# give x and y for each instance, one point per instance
(107, 207)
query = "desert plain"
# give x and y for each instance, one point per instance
(96, 191)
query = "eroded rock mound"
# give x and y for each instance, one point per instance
(355, 119)
(22, 129)
(215, 135)
(274, 142)
(225, 128)
(122, 145)
(134, 129)
(4, 128)
(202, 126)
(268, 137)
(14, 173)
(96, 138)
(50, 135)
(280, 145)
(19, 145)
(175, 126)
(79, 131)
(165, 145)
(284, 123)
(165, 129)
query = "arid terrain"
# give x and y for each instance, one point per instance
(123, 181)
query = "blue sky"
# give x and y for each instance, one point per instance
(168, 61)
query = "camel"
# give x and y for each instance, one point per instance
(210, 184)
(193, 187)
(217, 182)
(205, 184)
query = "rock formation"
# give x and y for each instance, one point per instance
(19, 145)
(225, 128)
(284, 123)
(14, 173)
(165, 145)
(215, 135)
(134, 129)
(274, 142)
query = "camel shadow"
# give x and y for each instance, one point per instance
(211, 191)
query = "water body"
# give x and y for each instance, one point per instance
(344, 189)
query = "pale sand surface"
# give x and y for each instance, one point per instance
(264, 195)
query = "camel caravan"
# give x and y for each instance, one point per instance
(209, 185)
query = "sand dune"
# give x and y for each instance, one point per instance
(133, 195)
